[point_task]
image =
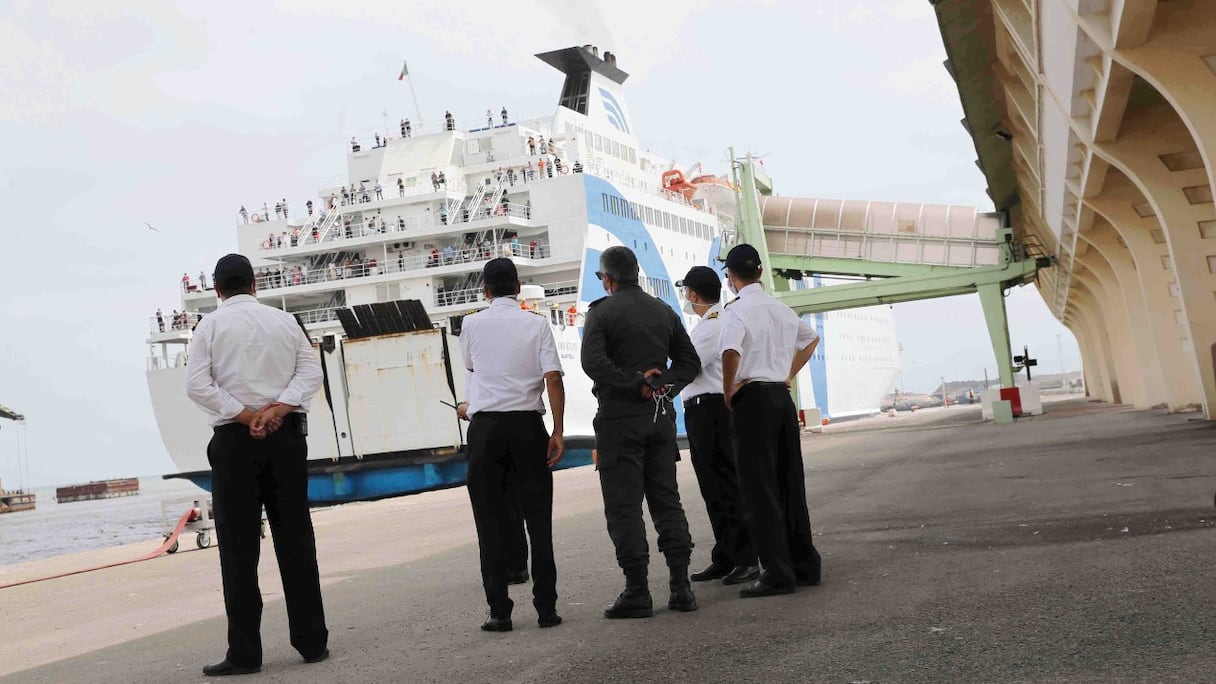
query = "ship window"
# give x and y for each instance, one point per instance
(599, 143)
(604, 196)
(616, 149)
(589, 139)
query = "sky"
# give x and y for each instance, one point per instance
(175, 114)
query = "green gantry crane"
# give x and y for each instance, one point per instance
(900, 261)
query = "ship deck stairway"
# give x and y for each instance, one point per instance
(902, 252)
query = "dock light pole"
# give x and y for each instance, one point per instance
(944, 402)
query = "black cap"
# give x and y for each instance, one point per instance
(232, 271)
(743, 257)
(500, 271)
(702, 280)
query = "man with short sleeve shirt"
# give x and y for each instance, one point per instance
(733, 560)
(764, 344)
(510, 355)
(253, 370)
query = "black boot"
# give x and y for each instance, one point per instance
(635, 601)
(682, 598)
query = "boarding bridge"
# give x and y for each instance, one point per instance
(904, 252)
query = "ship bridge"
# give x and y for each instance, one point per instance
(904, 252)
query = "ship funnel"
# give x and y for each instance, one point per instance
(595, 51)
(610, 58)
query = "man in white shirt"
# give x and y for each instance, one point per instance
(733, 560)
(764, 344)
(511, 356)
(253, 370)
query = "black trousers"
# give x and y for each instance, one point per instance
(507, 459)
(247, 473)
(636, 459)
(713, 459)
(772, 482)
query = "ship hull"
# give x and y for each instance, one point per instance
(367, 480)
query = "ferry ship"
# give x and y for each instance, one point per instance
(415, 218)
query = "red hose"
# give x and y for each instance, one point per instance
(188, 516)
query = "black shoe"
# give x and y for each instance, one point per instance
(520, 577)
(493, 624)
(715, 571)
(549, 620)
(682, 598)
(324, 654)
(762, 588)
(741, 574)
(225, 669)
(632, 603)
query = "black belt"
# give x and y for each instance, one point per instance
(702, 398)
(757, 383)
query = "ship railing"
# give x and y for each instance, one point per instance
(473, 295)
(177, 360)
(528, 125)
(470, 254)
(183, 320)
(310, 316)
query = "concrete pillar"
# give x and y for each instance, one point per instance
(1090, 315)
(1126, 306)
(1115, 335)
(1097, 386)
(1153, 268)
(1146, 134)
(1119, 266)
(1087, 362)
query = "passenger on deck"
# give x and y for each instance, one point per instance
(443, 181)
(504, 116)
(379, 191)
(531, 145)
(489, 156)
(202, 280)
(489, 119)
(449, 122)
(435, 181)
(540, 164)
(578, 166)
(160, 320)
(278, 210)
(354, 144)
(400, 187)
(186, 282)
(244, 214)
(284, 208)
(530, 172)
(308, 206)
(377, 140)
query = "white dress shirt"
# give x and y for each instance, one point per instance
(247, 355)
(705, 338)
(765, 332)
(507, 352)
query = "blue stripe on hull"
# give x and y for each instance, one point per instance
(343, 486)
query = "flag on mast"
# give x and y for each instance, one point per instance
(405, 71)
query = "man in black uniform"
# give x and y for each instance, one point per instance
(253, 370)
(628, 339)
(764, 344)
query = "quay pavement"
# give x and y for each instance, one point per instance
(1069, 547)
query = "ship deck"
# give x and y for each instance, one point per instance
(1072, 546)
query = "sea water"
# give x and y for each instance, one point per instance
(55, 529)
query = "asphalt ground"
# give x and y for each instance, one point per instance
(1072, 547)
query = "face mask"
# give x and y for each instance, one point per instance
(689, 308)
